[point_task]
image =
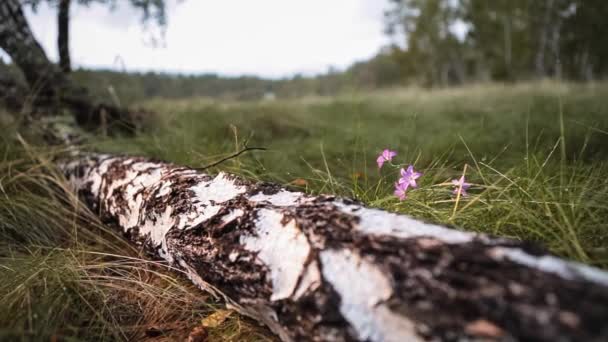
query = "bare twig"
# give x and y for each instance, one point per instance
(234, 155)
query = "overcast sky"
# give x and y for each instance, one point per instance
(271, 38)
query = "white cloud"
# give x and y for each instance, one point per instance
(271, 38)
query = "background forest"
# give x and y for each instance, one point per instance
(436, 43)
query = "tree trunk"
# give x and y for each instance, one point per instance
(329, 269)
(543, 38)
(17, 40)
(508, 45)
(63, 35)
(585, 66)
(555, 45)
(51, 88)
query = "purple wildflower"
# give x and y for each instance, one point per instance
(386, 155)
(401, 190)
(461, 186)
(409, 176)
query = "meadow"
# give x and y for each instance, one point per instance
(535, 153)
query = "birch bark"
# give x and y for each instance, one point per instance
(321, 268)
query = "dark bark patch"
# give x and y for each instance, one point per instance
(208, 246)
(265, 188)
(315, 316)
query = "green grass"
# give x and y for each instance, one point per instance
(536, 153)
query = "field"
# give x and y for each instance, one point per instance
(536, 155)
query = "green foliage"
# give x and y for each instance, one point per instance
(449, 42)
(129, 88)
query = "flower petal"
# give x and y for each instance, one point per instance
(463, 192)
(401, 194)
(380, 161)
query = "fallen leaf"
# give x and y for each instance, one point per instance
(216, 318)
(299, 182)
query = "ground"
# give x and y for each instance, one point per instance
(535, 153)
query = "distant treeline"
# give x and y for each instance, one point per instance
(443, 42)
(129, 87)
(436, 43)
(381, 71)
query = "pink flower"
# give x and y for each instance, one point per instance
(386, 155)
(409, 176)
(461, 186)
(401, 190)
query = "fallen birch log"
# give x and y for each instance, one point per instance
(328, 269)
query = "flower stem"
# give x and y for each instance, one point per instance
(464, 171)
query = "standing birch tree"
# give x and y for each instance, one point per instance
(49, 82)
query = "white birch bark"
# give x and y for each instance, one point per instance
(324, 268)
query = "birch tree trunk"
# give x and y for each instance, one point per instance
(17, 40)
(51, 87)
(543, 38)
(508, 45)
(322, 268)
(63, 35)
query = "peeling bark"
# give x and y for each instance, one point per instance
(323, 268)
